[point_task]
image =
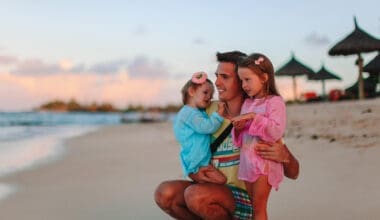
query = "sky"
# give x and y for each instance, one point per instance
(142, 52)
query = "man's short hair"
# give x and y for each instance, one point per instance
(230, 57)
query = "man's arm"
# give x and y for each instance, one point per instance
(280, 153)
(291, 167)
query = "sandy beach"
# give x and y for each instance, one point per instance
(112, 173)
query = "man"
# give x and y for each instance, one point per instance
(183, 199)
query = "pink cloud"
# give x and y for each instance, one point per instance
(4, 59)
(142, 67)
(36, 67)
(23, 92)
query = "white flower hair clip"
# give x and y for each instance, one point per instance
(259, 60)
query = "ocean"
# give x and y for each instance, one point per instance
(29, 139)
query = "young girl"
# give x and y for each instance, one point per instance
(263, 117)
(192, 129)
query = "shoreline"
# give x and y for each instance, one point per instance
(102, 175)
(36, 151)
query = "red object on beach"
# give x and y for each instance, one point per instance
(309, 96)
(335, 94)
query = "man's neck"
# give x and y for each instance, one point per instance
(234, 105)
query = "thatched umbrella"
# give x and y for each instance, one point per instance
(373, 66)
(356, 42)
(294, 68)
(369, 87)
(322, 75)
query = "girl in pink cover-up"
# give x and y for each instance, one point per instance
(263, 118)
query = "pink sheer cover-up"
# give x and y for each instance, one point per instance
(268, 125)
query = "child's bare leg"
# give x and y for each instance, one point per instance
(249, 188)
(261, 190)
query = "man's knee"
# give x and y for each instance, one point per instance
(204, 203)
(164, 195)
(194, 196)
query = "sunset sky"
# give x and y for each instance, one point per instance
(142, 52)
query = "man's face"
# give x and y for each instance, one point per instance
(227, 82)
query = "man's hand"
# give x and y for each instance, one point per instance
(222, 110)
(276, 151)
(280, 153)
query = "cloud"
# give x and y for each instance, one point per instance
(316, 39)
(139, 67)
(143, 67)
(79, 68)
(8, 59)
(140, 31)
(199, 41)
(108, 67)
(118, 89)
(141, 80)
(66, 64)
(36, 67)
